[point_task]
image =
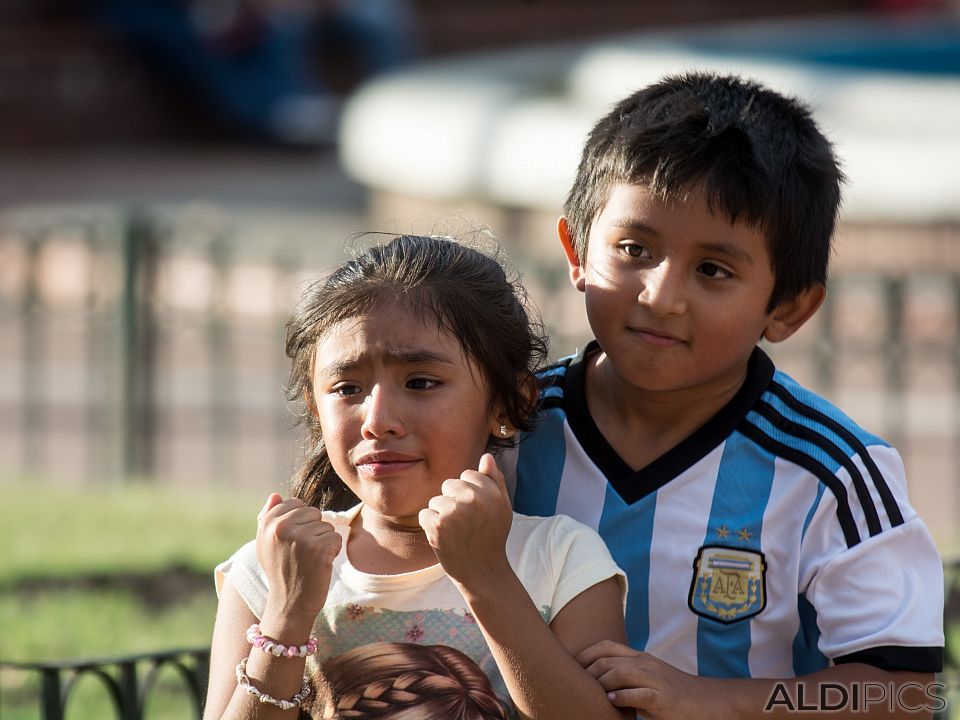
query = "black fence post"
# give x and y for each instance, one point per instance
(51, 694)
(138, 351)
(894, 411)
(33, 362)
(129, 691)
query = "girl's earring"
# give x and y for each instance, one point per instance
(503, 430)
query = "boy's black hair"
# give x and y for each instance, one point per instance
(758, 156)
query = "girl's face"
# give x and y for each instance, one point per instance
(401, 409)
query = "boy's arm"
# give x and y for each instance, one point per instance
(662, 692)
(536, 660)
(467, 525)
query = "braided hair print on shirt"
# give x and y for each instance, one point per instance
(403, 681)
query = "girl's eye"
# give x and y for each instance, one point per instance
(421, 383)
(345, 390)
(714, 271)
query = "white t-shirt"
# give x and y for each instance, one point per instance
(555, 558)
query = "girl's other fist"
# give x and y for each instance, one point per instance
(296, 549)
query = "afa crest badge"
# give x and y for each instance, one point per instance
(729, 584)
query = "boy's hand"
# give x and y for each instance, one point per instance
(467, 524)
(635, 679)
(296, 548)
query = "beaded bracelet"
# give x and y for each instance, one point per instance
(278, 649)
(243, 681)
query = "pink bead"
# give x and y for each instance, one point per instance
(291, 651)
(258, 641)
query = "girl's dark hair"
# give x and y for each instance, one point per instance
(757, 155)
(467, 293)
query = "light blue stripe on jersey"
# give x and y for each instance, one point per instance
(628, 531)
(551, 392)
(807, 657)
(540, 464)
(739, 501)
(813, 509)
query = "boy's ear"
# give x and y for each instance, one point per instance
(790, 316)
(577, 278)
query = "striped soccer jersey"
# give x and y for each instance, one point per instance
(776, 538)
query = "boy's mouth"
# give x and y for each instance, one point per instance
(657, 337)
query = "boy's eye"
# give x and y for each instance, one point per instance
(421, 383)
(635, 251)
(712, 270)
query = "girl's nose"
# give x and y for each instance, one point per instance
(381, 415)
(663, 289)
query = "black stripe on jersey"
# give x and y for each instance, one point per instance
(896, 657)
(889, 502)
(554, 379)
(552, 402)
(811, 465)
(613, 467)
(825, 444)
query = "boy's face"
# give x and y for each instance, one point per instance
(676, 296)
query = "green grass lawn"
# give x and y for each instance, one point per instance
(54, 538)
(56, 532)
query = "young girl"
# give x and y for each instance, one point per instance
(413, 361)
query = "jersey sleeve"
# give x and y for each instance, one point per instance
(245, 574)
(580, 560)
(878, 600)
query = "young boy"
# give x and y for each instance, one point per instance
(765, 536)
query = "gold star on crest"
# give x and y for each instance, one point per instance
(723, 531)
(744, 534)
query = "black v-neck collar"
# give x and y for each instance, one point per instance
(633, 485)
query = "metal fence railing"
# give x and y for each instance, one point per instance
(128, 680)
(150, 343)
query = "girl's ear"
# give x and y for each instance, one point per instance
(530, 389)
(577, 277)
(790, 316)
(500, 426)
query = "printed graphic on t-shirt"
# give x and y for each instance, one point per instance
(377, 662)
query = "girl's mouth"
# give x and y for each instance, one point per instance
(381, 463)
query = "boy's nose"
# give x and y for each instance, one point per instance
(662, 289)
(381, 414)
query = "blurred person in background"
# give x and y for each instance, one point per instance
(254, 63)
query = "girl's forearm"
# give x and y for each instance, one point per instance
(278, 677)
(543, 679)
